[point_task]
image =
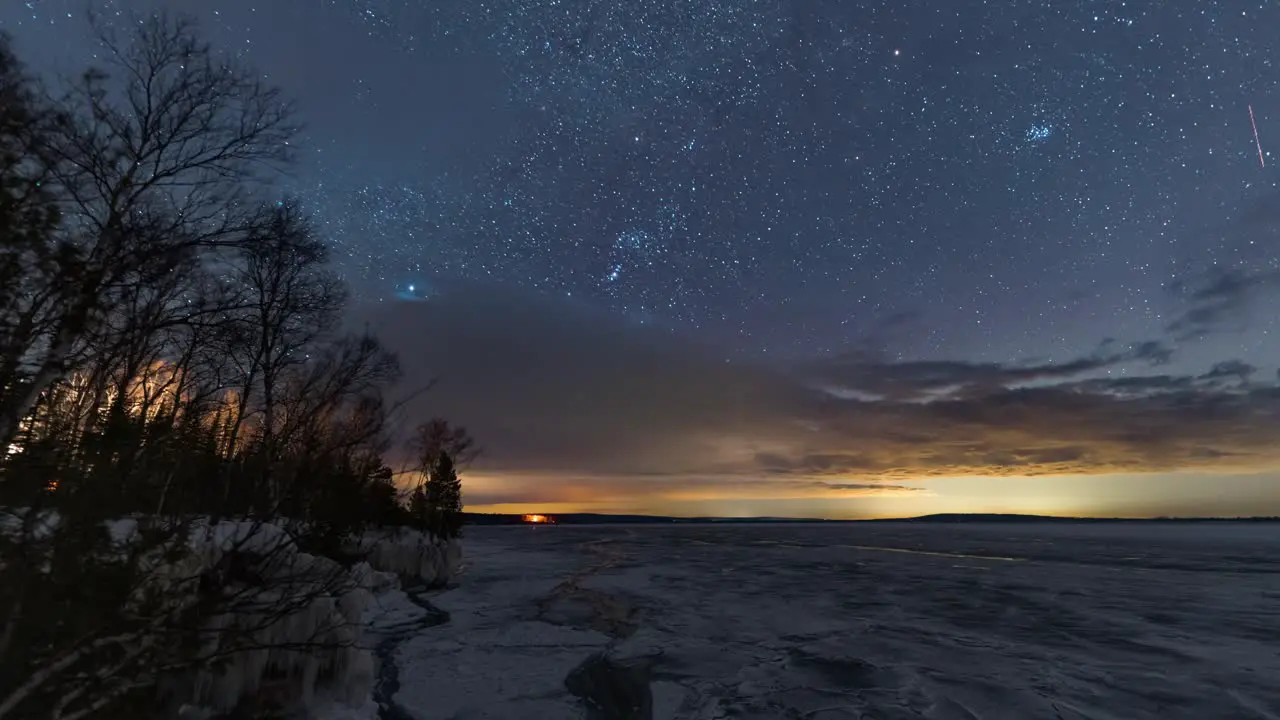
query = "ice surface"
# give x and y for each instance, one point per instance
(1113, 622)
(497, 658)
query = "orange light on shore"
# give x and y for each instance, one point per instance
(537, 519)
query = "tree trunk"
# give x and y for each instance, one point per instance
(27, 394)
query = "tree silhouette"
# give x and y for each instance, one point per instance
(191, 451)
(145, 177)
(444, 497)
(438, 435)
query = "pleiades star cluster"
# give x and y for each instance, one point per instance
(786, 175)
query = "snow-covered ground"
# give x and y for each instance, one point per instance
(870, 621)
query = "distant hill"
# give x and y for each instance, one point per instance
(601, 519)
(1014, 518)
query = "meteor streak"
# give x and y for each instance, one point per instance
(1261, 158)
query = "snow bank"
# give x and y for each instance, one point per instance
(412, 555)
(40, 527)
(287, 627)
(277, 626)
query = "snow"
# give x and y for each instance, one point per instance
(42, 526)
(305, 636)
(412, 555)
(295, 634)
(344, 615)
(963, 622)
(495, 658)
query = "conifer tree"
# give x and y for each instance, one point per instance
(444, 498)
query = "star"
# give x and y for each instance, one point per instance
(1017, 185)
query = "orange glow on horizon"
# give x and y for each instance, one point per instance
(1132, 495)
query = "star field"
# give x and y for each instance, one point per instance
(901, 201)
(781, 174)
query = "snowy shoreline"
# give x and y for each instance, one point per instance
(304, 629)
(887, 621)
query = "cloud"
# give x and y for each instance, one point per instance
(568, 399)
(1230, 370)
(934, 380)
(623, 491)
(868, 488)
(1218, 299)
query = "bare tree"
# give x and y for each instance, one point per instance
(126, 207)
(150, 161)
(439, 435)
(26, 208)
(333, 435)
(440, 449)
(165, 337)
(291, 302)
(29, 250)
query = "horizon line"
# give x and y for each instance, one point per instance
(904, 518)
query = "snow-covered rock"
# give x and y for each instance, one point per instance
(328, 610)
(291, 630)
(413, 555)
(275, 624)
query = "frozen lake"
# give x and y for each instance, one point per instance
(857, 621)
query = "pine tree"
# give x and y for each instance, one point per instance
(444, 498)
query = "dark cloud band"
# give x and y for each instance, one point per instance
(556, 390)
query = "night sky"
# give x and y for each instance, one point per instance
(787, 257)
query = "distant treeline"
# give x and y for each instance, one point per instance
(1011, 518)
(600, 519)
